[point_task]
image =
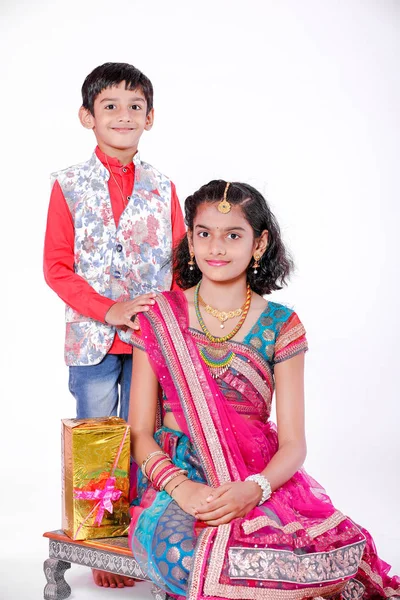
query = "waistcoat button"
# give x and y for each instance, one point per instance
(119, 248)
(117, 274)
(128, 198)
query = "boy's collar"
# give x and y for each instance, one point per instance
(112, 161)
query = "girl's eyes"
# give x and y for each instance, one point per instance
(232, 236)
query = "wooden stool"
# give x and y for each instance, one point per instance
(108, 554)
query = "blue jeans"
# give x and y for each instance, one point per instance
(98, 389)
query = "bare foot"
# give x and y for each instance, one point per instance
(105, 579)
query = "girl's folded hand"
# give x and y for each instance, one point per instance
(229, 501)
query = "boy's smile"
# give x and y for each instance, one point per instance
(120, 117)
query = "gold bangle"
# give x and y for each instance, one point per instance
(149, 457)
(177, 485)
(171, 477)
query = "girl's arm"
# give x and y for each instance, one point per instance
(142, 407)
(289, 390)
(142, 419)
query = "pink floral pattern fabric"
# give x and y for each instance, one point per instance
(118, 262)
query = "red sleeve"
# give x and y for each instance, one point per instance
(58, 263)
(291, 339)
(178, 224)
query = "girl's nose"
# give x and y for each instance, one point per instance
(217, 248)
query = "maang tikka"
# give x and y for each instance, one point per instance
(224, 206)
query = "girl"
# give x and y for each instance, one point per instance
(224, 509)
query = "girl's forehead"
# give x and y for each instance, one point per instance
(209, 212)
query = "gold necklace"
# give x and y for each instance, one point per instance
(234, 331)
(116, 183)
(222, 315)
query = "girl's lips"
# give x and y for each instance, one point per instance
(217, 263)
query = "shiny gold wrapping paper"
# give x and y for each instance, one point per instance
(89, 450)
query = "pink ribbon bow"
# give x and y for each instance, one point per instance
(106, 497)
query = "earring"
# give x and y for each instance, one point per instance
(256, 265)
(191, 262)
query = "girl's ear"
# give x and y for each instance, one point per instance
(261, 243)
(86, 118)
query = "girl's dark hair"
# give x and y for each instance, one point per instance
(275, 264)
(112, 74)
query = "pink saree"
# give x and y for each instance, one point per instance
(294, 546)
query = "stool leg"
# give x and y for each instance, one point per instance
(56, 588)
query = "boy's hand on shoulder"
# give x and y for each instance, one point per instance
(122, 314)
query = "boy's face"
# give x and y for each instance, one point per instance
(119, 119)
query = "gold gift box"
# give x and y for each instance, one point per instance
(95, 478)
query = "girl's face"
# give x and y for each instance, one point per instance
(223, 244)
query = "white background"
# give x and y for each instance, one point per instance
(300, 99)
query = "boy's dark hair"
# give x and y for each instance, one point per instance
(112, 74)
(275, 264)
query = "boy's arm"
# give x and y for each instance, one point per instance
(178, 224)
(58, 262)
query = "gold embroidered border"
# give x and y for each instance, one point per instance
(181, 384)
(260, 522)
(300, 569)
(293, 334)
(288, 352)
(254, 378)
(199, 399)
(213, 587)
(378, 579)
(353, 590)
(329, 523)
(199, 556)
(313, 532)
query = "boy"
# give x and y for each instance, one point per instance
(111, 227)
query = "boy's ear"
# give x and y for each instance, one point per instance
(149, 120)
(86, 118)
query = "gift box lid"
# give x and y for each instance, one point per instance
(94, 422)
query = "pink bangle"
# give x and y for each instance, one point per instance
(149, 457)
(156, 465)
(163, 473)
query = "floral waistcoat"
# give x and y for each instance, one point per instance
(118, 262)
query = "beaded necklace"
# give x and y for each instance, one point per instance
(217, 357)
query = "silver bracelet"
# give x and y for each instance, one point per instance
(264, 485)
